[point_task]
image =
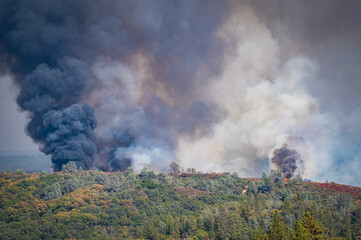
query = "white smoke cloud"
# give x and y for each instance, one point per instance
(152, 158)
(267, 105)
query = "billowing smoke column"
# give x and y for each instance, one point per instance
(64, 130)
(111, 84)
(286, 159)
(70, 135)
(216, 85)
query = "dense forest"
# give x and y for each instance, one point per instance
(76, 204)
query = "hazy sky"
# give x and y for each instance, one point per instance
(12, 121)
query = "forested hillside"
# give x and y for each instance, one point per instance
(76, 204)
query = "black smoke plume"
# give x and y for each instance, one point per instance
(70, 135)
(287, 160)
(52, 49)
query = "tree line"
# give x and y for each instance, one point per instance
(76, 204)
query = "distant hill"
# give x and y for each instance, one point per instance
(124, 205)
(27, 162)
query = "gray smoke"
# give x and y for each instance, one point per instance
(215, 85)
(62, 53)
(121, 163)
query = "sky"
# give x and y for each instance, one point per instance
(12, 121)
(222, 86)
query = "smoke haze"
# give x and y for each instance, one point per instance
(218, 86)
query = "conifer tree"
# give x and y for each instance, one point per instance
(222, 222)
(300, 232)
(260, 234)
(287, 206)
(150, 231)
(313, 227)
(347, 228)
(277, 230)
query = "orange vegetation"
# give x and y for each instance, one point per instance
(329, 188)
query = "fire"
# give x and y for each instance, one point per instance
(286, 179)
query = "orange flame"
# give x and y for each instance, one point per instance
(286, 179)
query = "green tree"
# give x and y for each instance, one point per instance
(299, 205)
(113, 183)
(297, 180)
(201, 234)
(191, 225)
(150, 231)
(313, 227)
(287, 206)
(70, 185)
(53, 191)
(102, 178)
(252, 187)
(19, 171)
(277, 177)
(191, 170)
(222, 222)
(208, 220)
(267, 183)
(174, 168)
(347, 228)
(130, 174)
(277, 230)
(300, 232)
(69, 167)
(260, 234)
(145, 174)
